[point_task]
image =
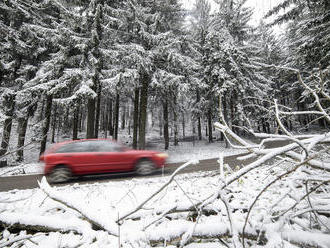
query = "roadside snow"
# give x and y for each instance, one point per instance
(105, 202)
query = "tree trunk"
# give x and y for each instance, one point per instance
(129, 117)
(6, 135)
(199, 124)
(22, 127)
(45, 128)
(59, 126)
(98, 110)
(209, 120)
(224, 104)
(145, 78)
(183, 125)
(81, 120)
(160, 123)
(175, 120)
(193, 128)
(105, 122)
(75, 124)
(9, 103)
(152, 117)
(54, 119)
(232, 116)
(41, 115)
(110, 118)
(67, 124)
(90, 134)
(165, 120)
(136, 117)
(123, 117)
(116, 124)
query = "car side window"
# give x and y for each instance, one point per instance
(74, 147)
(106, 146)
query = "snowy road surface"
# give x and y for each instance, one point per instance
(31, 181)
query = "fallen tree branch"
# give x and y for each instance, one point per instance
(17, 239)
(265, 188)
(91, 217)
(176, 229)
(37, 223)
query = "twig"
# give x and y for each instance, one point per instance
(265, 188)
(286, 131)
(157, 191)
(314, 212)
(302, 198)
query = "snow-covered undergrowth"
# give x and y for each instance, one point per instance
(197, 208)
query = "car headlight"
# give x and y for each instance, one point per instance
(161, 155)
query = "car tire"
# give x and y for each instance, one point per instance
(59, 174)
(145, 167)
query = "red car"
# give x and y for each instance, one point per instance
(95, 156)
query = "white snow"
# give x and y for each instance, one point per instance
(105, 202)
(72, 208)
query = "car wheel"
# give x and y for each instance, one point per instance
(145, 167)
(59, 174)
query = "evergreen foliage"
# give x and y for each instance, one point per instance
(72, 66)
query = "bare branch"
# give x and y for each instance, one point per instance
(158, 191)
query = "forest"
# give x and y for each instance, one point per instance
(100, 66)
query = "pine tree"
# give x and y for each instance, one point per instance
(307, 46)
(200, 27)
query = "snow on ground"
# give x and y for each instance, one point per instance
(106, 202)
(109, 200)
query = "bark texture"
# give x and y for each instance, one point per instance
(136, 117)
(143, 110)
(45, 128)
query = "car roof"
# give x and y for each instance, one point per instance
(79, 140)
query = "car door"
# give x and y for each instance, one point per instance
(81, 157)
(111, 156)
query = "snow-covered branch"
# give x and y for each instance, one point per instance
(106, 225)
